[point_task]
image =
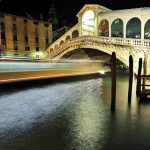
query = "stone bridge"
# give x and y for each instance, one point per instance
(126, 32)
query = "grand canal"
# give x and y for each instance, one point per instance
(73, 114)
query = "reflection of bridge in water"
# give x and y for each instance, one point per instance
(127, 32)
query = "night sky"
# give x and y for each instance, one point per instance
(66, 9)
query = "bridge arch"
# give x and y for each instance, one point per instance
(122, 55)
(75, 34)
(67, 38)
(103, 29)
(117, 28)
(133, 28)
(61, 42)
(147, 30)
(51, 49)
(56, 46)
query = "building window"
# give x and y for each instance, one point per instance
(26, 39)
(2, 27)
(25, 30)
(1, 15)
(46, 33)
(14, 27)
(27, 56)
(15, 47)
(37, 56)
(16, 55)
(3, 36)
(25, 21)
(27, 48)
(36, 23)
(46, 25)
(47, 41)
(36, 32)
(3, 42)
(37, 49)
(14, 18)
(15, 39)
(36, 40)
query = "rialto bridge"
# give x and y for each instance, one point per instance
(126, 32)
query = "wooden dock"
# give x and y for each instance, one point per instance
(144, 90)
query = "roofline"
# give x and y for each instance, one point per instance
(90, 6)
(24, 17)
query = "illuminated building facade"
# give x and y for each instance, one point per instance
(23, 37)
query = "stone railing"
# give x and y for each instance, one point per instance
(99, 39)
(63, 36)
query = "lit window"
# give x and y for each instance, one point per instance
(88, 23)
(37, 49)
(27, 48)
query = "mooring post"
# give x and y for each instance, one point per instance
(113, 83)
(138, 85)
(130, 78)
(144, 70)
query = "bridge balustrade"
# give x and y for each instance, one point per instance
(99, 39)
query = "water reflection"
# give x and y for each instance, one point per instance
(74, 115)
(90, 119)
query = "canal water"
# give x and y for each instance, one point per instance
(73, 114)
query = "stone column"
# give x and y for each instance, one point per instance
(95, 24)
(124, 29)
(142, 29)
(80, 25)
(110, 22)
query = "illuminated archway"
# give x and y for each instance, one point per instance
(133, 28)
(88, 20)
(117, 28)
(75, 34)
(56, 46)
(67, 38)
(147, 30)
(51, 49)
(103, 28)
(61, 42)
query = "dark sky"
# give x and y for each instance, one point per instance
(67, 9)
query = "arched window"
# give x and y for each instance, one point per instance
(51, 49)
(75, 34)
(56, 46)
(88, 20)
(67, 38)
(103, 29)
(147, 30)
(61, 42)
(133, 28)
(117, 28)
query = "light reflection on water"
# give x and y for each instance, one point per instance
(73, 115)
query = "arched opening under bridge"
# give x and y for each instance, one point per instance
(96, 58)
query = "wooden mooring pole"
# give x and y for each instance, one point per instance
(138, 85)
(144, 71)
(130, 78)
(113, 83)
